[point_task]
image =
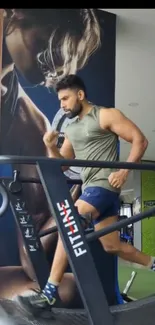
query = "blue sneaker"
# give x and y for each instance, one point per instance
(38, 304)
(153, 266)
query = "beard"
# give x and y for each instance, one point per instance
(71, 113)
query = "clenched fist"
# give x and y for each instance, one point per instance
(117, 179)
(50, 139)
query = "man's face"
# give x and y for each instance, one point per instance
(71, 101)
(23, 47)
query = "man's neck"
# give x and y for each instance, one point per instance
(86, 108)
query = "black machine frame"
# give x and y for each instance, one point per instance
(69, 226)
(75, 243)
(26, 226)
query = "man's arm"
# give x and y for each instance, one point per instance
(118, 123)
(66, 151)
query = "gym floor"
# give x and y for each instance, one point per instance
(143, 284)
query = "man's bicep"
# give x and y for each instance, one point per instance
(124, 127)
(67, 150)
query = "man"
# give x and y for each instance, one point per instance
(93, 135)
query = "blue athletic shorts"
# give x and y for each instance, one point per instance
(105, 201)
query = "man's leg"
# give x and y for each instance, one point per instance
(113, 244)
(58, 269)
(94, 200)
(58, 285)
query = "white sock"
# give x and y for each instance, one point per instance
(151, 262)
(55, 283)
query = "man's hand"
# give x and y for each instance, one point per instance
(117, 179)
(50, 139)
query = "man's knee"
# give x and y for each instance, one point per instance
(81, 207)
(85, 208)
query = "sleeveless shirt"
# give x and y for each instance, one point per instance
(91, 142)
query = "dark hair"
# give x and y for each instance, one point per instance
(71, 81)
(74, 35)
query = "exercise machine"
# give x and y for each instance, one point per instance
(38, 261)
(96, 309)
(128, 285)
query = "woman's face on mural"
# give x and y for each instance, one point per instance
(51, 43)
(23, 47)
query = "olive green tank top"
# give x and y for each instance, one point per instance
(90, 142)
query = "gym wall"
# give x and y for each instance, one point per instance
(29, 108)
(148, 201)
(144, 199)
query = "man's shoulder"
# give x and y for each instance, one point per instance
(108, 111)
(107, 116)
